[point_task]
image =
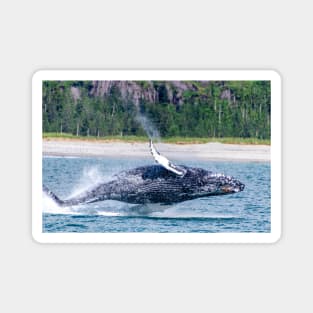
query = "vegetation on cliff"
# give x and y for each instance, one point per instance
(201, 109)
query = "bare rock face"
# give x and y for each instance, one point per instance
(150, 91)
(75, 92)
(226, 94)
(128, 89)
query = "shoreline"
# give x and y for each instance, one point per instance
(208, 151)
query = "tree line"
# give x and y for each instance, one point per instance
(215, 109)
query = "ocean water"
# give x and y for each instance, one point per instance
(247, 211)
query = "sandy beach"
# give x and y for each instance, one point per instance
(208, 151)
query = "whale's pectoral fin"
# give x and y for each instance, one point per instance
(160, 159)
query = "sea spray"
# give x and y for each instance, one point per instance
(91, 177)
(148, 126)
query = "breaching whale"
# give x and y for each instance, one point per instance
(163, 183)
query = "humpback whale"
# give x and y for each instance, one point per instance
(162, 183)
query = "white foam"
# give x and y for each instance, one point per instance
(104, 213)
(50, 206)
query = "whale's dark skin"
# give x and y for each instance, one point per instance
(155, 184)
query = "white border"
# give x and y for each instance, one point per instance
(42, 75)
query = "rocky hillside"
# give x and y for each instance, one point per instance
(177, 108)
(148, 91)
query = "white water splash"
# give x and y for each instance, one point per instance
(104, 213)
(91, 177)
(50, 206)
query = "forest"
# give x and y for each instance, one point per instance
(177, 108)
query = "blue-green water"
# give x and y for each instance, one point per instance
(247, 211)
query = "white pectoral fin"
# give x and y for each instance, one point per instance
(163, 161)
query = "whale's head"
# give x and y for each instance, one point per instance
(218, 184)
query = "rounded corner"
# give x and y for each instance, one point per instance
(36, 238)
(37, 75)
(276, 238)
(276, 75)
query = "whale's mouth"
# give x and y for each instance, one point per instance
(229, 189)
(232, 189)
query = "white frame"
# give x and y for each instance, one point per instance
(42, 237)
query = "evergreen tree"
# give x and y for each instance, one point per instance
(214, 109)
